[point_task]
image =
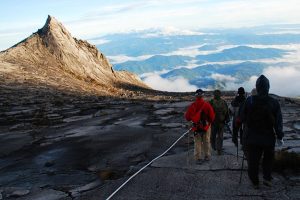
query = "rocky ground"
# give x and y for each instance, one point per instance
(61, 146)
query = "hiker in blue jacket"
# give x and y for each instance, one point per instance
(261, 115)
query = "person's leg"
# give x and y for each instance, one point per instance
(219, 139)
(213, 137)
(241, 135)
(197, 147)
(234, 132)
(267, 163)
(206, 143)
(254, 155)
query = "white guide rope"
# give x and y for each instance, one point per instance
(119, 188)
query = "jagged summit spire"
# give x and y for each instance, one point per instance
(53, 26)
(56, 37)
(51, 21)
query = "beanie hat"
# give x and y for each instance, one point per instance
(241, 90)
(262, 85)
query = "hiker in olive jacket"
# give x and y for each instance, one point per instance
(262, 117)
(221, 117)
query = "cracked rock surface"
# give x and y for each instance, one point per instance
(86, 147)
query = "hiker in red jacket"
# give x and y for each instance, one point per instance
(201, 114)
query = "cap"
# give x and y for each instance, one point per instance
(217, 93)
(199, 92)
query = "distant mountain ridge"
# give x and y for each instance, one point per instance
(239, 53)
(242, 53)
(202, 76)
(51, 56)
(154, 63)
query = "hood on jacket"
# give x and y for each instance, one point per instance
(262, 86)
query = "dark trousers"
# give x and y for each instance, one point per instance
(254, 153)
(235, 131)
(216, 139)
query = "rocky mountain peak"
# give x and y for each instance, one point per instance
(52, 23)
(55, 30)
(54, 57)
(55, 36)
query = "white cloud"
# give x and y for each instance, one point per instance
(98, 41)
(248, 84)
(124, 58)
(231, 83)
(177, 84)
(250, 13)
(296, 32)
(148, 74)
(284, 81)
(172, 31)
(223, 78)
(191, 51)
(114, 8)
(184, 15)
(292, 57)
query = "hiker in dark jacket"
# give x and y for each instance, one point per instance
(236, 104)
(262, 117)
(202, 115)
(221, 117)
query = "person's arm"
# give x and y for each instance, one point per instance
(243, 110)
(190, 112)
(234, 102)
(227, 116)
(210, 113)
(278, 122)
(240, 108)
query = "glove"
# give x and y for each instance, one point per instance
(238, 122)
(190, 124)
(227, 121)
(280, 142)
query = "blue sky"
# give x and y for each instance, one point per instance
(86, 19)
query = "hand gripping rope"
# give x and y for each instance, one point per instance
(119, 188)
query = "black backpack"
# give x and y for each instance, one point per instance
(260, 115)
(201, 123)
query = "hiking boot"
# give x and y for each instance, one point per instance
(207, 158)
(255, 186)
(267, 183)
(199, 161)
(235, 142)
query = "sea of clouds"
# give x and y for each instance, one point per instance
(284, 81)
